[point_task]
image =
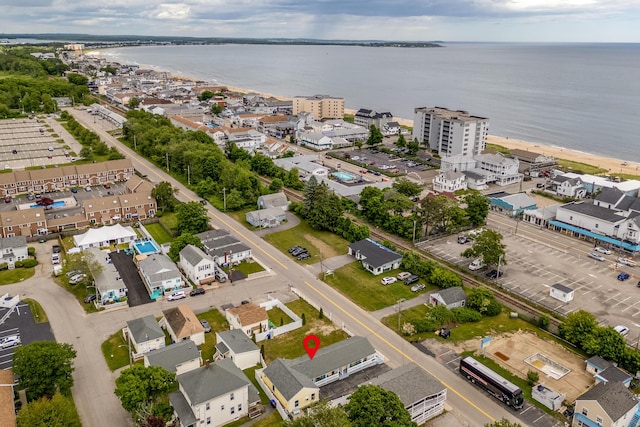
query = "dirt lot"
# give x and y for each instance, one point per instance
(517, 346)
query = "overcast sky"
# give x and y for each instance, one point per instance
(426, 20)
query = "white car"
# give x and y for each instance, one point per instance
(621, 329)
(10, 341)
(177, 295)
(627, 261)
(596, 256)
(388, 280)
(602, 250)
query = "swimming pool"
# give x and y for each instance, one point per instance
(56, 204)
(344, 176)
(146, 246)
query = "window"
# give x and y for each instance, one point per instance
(231, 396)
(233, 410)
(296, 403)
(313, 396)
(222, 407)
(208, 406)
(599, 421)
(240, 407)
(208, 419)
(585, 412)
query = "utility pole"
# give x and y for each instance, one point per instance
(224, 198)
(167, 155)
(399, 304)
(189, 174)
(135, 143)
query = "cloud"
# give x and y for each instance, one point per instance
(171, 11)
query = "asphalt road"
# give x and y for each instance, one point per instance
(103, 408)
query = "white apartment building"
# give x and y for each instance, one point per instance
(450, 132)
(322, 107)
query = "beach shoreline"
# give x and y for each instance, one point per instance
(612, 165)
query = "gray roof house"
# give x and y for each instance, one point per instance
(197, 265)
(275, 200)
(420, 393)
(214, 394)
(266, 218)
(159, 274)
(144, 333)
(13, 249)
(607, 404)
(180, 357)
(614, 374)
(223, 247)
(450, 297)
(375, 257)
(238, 347)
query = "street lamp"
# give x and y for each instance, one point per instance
(399, 308)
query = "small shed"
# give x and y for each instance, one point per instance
(561, 292)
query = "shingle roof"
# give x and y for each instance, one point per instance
(183, 321)
(614, 398)
(609, 195)
(598, 361)
(452, 295)
(287, 380)
(182, 408)
(13, 242)
(172, 355)
(193, 254)
(158, 268)
(273, 200)
(614, 374)
(375, 254)
(237, 341)
(145, 329)
(249, 313)
(410, 382)
(562, 288)
(593, 211)
(206, 383)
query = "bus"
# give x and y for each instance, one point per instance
(496, 385)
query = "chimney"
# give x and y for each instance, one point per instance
(207, 363)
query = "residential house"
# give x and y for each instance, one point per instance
(532, 163)
(274, 200)
(182, 324)
(249, 318)
(159, 274)
(498, 169)
(7, 398)
(607, 405)
(266, 218)
(268, 124)
(596, 364)
(238, 347)
(392, 128)
(449, 182)
(617, 200)
(104, 236)
(511, 204)
(568, 187)
(213, 395)
(476, 181)
(13, 249)
(613, 374)
(451, 297)
(375, 257)
(422, 395)
(296, 383)
(109, 286)
(366, 118)
(26, 222)
(197, 265)
(144, 334)
(136, 184)
(561, 292)
(223, 247)
(179, 358)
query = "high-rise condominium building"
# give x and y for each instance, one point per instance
(449, 132)
(323, 107)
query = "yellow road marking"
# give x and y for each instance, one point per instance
(403, 354)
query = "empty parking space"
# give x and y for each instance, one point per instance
(29, 142)
(137, 291)
(21, 323)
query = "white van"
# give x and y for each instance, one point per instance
(176, 295)
(55, 259)
(477, 264)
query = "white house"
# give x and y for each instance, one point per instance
(238, 347)
(503, 170)
(213, 395)
(568, 187)
(449, 182)
(451, 297)
(107, 281)
(561, 292)
(375, 257)
(197, 265)
(13, 249)
(249, 318)
(180, 357)
(159, 273)
(144, 334)
(223, 247)
(182, 324)
(104, 236)
(278, 199)
(266, 218)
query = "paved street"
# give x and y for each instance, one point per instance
(93, 389)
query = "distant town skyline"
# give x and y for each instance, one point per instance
(406, 20)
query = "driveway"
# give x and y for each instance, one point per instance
(137, 291)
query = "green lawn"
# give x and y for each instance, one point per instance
(276, 315)
(79, 291)
(365, 289)
(314, 240)
(39, 315)
(271, 420)
(578, 167)
(408, 315)
(241, 216)
(170, 220)
(116, 351)
(289, 345)
(16, 275)
(248, 267)
(158, 233)
(218, 324)
(251, 374)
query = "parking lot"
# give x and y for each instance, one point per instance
(390, 162)
(536, 262)
(27, 142)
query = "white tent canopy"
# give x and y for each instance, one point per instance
(103, 236)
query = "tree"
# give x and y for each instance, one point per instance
(371, 405)
(276, 185)
(58, 411)
(532, 377)
(440, 314)
(605, 342)
(77, 79)
(430, 211)
(477, 208)
(502, 423)
(578, 327)
(205, 95)
(86, 153)
(84, 262)
(153, 421)
(480, 299)
(216, 109)
(413, 146)
(192, 218)
(375, 136)
(401, 141)
(133, 103)
(141, 385)
(44, 367)
(321, 414)
(488, 247)
(358, 144)
(406, 187)
(164, 193)
(179, 244)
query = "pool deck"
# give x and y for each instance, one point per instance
(69, 202)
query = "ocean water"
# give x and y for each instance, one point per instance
(579, 96)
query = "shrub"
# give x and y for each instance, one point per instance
(425, 325)
(31, 251)
(19, 264)
(532, 377)
(28, 263)
(543, 322)
(493, 309)
(466, 315)
(4, 266)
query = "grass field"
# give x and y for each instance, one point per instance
(116, 351)
(276, 315)
(319, 243)
(578, 167)
(39, 315)
(218, 324)
(170, 220)
(158, 233)
(289, 345)
(365, 289)
(248, 267)
(16, 275)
